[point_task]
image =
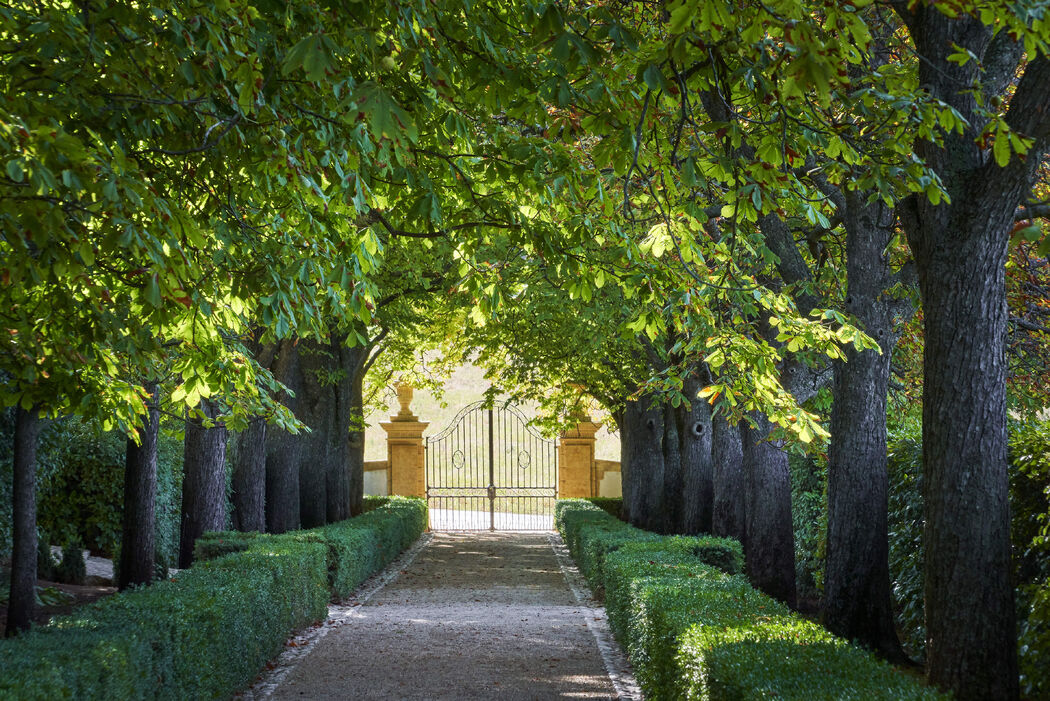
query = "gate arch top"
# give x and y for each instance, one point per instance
(490, 469)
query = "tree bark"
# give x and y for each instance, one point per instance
(249, 472)
(138, 536)
(729, 484)
(346, 487)
(22, 601)
(203, 482)
(857, 603)
(694, 433)
(641, 441)
(960, 248)
(282, 451)
(317, 410)
(770, 554)
(249, 479)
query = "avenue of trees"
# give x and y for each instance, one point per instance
(727, 223)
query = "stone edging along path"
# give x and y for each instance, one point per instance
(458, 616)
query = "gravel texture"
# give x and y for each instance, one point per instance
(461, 616)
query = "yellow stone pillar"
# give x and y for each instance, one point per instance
(404, 446)
(576, 475)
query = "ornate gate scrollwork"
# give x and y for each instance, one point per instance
(490, 470)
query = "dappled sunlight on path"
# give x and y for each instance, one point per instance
(474, 615)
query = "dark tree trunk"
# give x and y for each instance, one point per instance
(282, 451)
(317, 410)
(641, 441)
(670, 513)
(22, 601)
(347, 477)
(770, 554)
(857, 602)
(138, 534)
(249, 472)
(960, 251)
(694, 433)
(203, 482)
(729, 484)
(249, 479)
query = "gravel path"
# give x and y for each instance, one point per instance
(461, 616)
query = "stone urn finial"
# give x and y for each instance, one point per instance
(404, 398)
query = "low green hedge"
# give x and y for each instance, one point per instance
(208, 631)
(694, 628)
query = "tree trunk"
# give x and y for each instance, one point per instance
(282, 451)
(728, 477)
(249, 473)
(22, 601)
(317, 410)
(694, 434)
(960, 248)
(641, 441)
(203, 482)
(350, 403)
(857, 602)
(770, 554)
(668, 497)
(138, 535)
(249, 479)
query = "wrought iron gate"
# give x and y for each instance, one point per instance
(489, 469)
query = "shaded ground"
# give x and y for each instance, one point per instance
(474, 616)
(80, 595)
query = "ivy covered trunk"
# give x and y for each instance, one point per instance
(22, 601)
(203, 482)
(728, 486)
(857, 603)
(770, 553)
(138, 531)
(282, 450)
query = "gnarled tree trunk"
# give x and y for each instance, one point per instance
(138, 533)
(203, 482)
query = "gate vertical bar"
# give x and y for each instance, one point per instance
(492, 475)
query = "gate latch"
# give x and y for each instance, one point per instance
(492, 492)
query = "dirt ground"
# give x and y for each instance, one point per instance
(81, 595)
(473, 616)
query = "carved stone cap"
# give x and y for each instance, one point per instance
(404, 398)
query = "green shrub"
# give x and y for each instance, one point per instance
(207, 632)
(809, 515)
(45, 561)
(1035, 645)
(694, 628)
(610, 505)
(72, 569)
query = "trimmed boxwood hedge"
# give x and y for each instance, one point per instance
(694, 628)
(207, 632)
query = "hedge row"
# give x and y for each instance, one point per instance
(694, 628)
(207, 632)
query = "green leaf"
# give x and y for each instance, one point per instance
(14, 171)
